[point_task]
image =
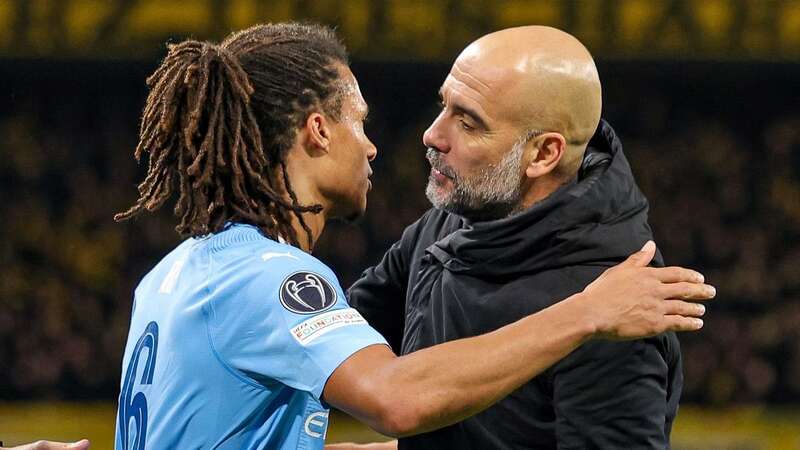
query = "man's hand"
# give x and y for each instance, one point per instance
(47, 445)
(631, 300)
(390, 445)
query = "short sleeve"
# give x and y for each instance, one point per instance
(290, 324)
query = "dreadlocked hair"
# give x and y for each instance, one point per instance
(220, 119)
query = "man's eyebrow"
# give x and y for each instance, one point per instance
(466, 111)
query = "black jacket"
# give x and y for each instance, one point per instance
(448, 279)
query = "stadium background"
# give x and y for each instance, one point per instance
(705, 95)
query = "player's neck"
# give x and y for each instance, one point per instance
(307, 194)
(314, 222)
(306, 190)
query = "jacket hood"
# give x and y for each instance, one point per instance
(599, 219)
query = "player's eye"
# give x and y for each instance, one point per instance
(466, 126)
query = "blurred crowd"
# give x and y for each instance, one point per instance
(724, 191)
(733, 210)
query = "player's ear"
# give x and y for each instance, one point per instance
(317, 133)
(545, 154)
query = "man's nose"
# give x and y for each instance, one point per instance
(372, 152)
(434, 136)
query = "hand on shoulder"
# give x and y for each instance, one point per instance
(632, 300)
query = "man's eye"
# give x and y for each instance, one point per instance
(465, 125)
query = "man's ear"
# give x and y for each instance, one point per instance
(548, 150)
(317, 133)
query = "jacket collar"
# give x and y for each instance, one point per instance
(601, 216)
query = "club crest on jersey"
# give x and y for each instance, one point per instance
(307, 293)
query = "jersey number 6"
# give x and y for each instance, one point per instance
(135, 406)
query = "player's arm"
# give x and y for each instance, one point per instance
(444, 384)
(47, 445)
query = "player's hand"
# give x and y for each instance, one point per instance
(47, 445)
(632, 300)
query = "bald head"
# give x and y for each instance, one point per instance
(540, 77)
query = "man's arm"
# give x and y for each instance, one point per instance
(444, 384)
(379, 296)
(380, 293)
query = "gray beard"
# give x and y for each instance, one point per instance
(492, 193)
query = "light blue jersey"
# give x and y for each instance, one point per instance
(232, 340)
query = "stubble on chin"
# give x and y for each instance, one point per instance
(436, 194)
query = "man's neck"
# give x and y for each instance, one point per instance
(540, 190)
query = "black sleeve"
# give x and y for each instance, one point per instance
(612, 395)
(380, 293)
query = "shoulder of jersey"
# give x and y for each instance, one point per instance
(277, 256)
(306, 284)
(172, 262)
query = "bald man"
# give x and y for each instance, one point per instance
(532, 199)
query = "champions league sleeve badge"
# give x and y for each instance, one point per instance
(307, 293)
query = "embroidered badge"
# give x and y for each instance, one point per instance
(312, 328)
(307, 293)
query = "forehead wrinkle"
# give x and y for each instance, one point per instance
(469, 76)
(492, 94)
(467, 92)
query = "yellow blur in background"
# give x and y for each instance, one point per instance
(696, 428)
(641, 30)
(411, 29)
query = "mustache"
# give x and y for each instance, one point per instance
(435, 160)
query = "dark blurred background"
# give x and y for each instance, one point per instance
(705, 95)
